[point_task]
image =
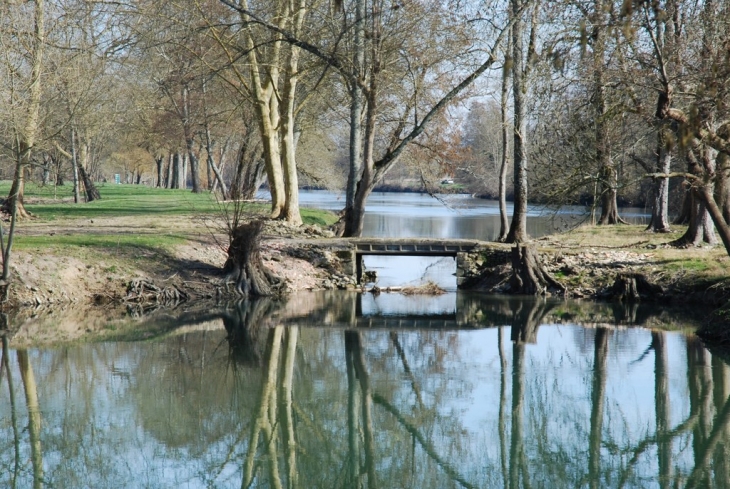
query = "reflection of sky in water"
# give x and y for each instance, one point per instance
(173, 412)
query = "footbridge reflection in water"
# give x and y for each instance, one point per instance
(311, 393)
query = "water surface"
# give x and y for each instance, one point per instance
(313, 392)
(337, 389)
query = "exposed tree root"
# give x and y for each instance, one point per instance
(245, 269)
(529, 277)
(630, 287)
(144, 291)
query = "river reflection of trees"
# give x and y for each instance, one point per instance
(515, 401)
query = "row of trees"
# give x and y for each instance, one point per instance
(587, 98)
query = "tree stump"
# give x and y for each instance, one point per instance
(244, 267)
(630, 287)
(529, 277)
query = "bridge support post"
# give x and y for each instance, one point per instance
(462, 267)
(351, 263)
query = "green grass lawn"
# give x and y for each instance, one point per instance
(132, 200)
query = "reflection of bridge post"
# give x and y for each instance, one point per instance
(598, 393)
(662, 408)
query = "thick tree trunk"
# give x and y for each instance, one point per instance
(356, 104)
(700, 227)
(92, 193)
(529, 277)
(608, 176)
(170, 171)
(660, 210)
(244, 267)
(609, 204)
(518, 228)
(158, 164)
(288, 139)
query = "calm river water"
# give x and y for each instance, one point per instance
(336, 390)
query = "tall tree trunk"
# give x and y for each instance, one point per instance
(90, 189)
(159, 160)
(518, 228)
(183, 182)
(26, 140)
(660, 209)
(356, 104)
(291, 181)
(608, 176)
(265, 81)
(189, 143)
(212, 166)
(504, 102)
(170, 171)
(75, 167)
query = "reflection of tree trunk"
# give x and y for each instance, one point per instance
(502, 405)
(598, 394)
(721, 393)
(661, 406)
(13, 416)
(262, 419)
(243, 325)
(353, 407)
(699, 476)
(700, 400)
(367, 408)
(34, 417)
(287, 420)
(406, 367)
(526, 318)
(425, 445)
(516, 448)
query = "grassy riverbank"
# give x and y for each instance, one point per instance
(81, 253)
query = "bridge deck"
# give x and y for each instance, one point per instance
(415, 246)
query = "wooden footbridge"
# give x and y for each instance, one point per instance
(352, 250)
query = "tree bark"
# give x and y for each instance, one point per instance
(356, 104)
(660, 209)
(158, 165)
(518, 228)
(529, 277)
(608, 176)
(504, 101)
(245, 268)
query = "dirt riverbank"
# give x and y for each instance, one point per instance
(586, 260)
